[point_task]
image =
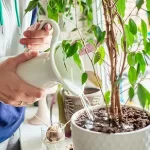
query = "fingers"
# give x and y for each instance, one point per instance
(22, 57)
(39, 33)
(33, 41)
(38, 47)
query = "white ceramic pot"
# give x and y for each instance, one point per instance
(48, 69)
(88, 140)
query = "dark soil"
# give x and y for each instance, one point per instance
(90, 90)
(132, 119)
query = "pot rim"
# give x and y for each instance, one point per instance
(75, 115)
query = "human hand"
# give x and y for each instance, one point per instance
(38, 40)
(13, 90)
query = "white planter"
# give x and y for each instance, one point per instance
(88, 140)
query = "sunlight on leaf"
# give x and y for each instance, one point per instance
(97, 57)
(148, 5)
(131, 58)
(132, 75)
(77, 59)
(144, 29)
(121, 7)
(107, 97)
(102, 52)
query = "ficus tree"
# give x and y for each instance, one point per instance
(123, 46)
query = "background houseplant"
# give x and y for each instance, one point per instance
(123, 47)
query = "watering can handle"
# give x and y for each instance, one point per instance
(56, 31)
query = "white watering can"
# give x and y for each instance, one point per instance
(48, 69)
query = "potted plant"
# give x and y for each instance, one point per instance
(123, 47)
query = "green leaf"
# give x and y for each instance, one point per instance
(97, 57)
(139, 3)
(144, 29)
(131, 93)
(148, 16)
(132, 26)
(31, 5)
(52, 11)
(89, 2)
(147, 47)
(132, 75)
(74, 48)
(47, 50)
(84, 77)
(138, 69)
(121, 6)
(107, 97)
(131, 58)
(102, 53)
(77, 59)
(99, 34)
(129, 36)
(142, 94)
(140, 59)
(148, 5)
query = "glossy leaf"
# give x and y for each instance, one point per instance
(99, 34)
(148, 5)
(142, 94)
(131, 59)
(102, 53)
(131, 93)
(139, 3)
(32, 5)
(129, 36)
(121, 6)
(140, 59)
(144, 29)
(77, 60)
(74, 48)
(132, 75)
(107, 97)
(84, 77)
(97, 57)
(132, 26)
(94, 78)
(52, 11)
(147, 47)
